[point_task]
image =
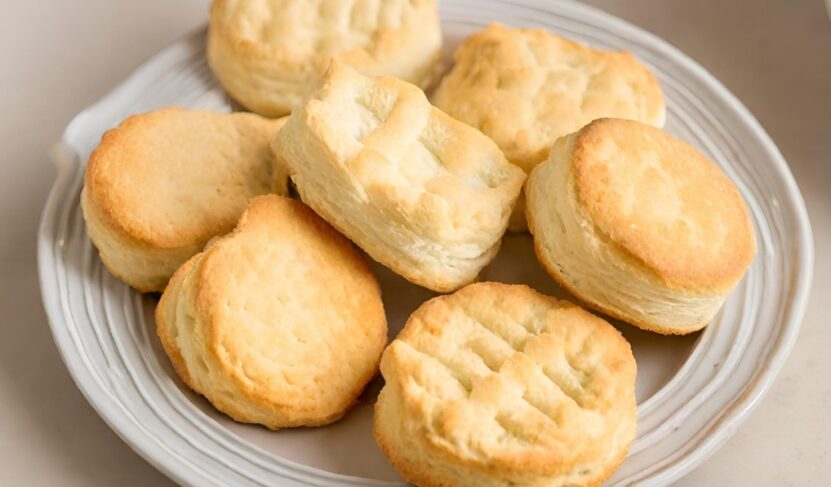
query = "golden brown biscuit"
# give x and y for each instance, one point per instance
(425, 195)
(639, 225)
(524, 88)
(499, 385)
(163, 183)
(279, 323)
(267, 53)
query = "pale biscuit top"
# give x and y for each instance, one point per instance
(176, 178)
(280, 322)
(413, 187)
(664, 203)
(526, 87)
(297, 32)
(509, 384)
(257, 46)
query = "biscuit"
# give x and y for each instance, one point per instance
(279, 323)
(500, 385)
(639, 225)
(525, 88)
(163, 183)
(423, 194)
(267, 53)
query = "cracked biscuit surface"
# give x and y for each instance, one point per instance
(266, 53)
(639, 225)
(500, 385)
(279, 323)
(525, 88)
(423, 194)
(163, 183)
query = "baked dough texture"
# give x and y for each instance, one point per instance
(499, 385)
(423, 194)
(267, 53)
(279, 323)
(525, 88)
(639, 225)
(163, 183)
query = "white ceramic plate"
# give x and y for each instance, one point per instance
(693, 391)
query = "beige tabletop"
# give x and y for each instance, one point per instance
(59, 56)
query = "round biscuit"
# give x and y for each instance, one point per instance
(279, 323)
(639, 225)
(163, 183)
(500, 385)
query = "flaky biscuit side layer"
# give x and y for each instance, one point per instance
(165, 317)
(138, 264)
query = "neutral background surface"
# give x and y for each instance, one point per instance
(58, 57)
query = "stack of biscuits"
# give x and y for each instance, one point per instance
(269, 308)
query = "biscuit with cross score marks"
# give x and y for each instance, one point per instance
(500, 385)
